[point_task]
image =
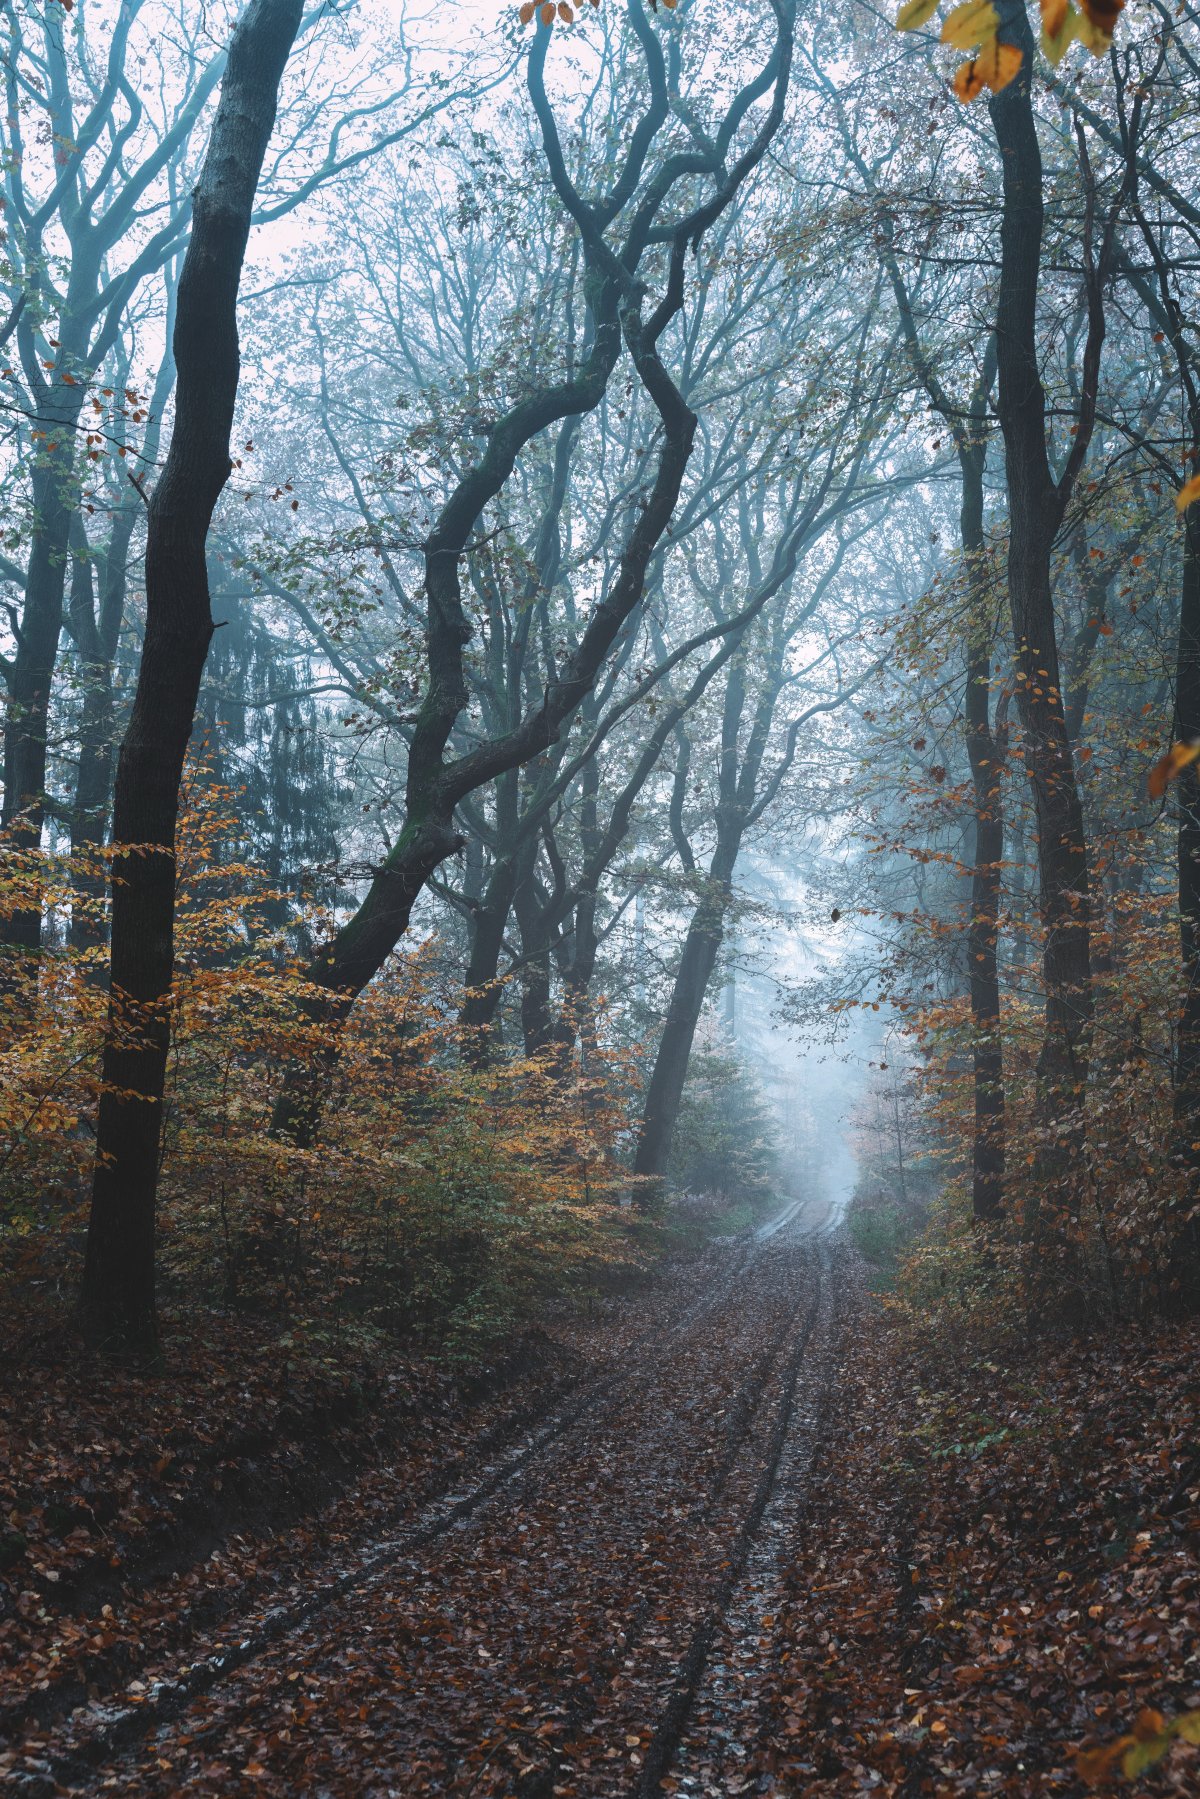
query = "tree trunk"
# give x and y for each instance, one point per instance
(1036, 506)
(435, 787)
(55, 489)
(696, 964)
(117, 1301)
(537, 1028)
(1187, 725)
(483, 989)
(96, 632)
(984, 754)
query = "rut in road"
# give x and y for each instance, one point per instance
(557, 1635)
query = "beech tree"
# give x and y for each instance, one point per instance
(117, 1299)
(103, 111)
(635, 211)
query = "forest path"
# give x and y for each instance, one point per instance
(577, 1620)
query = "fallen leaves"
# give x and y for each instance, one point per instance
(535, 1643)
(929, 1642)
(990, 1583)
(128, 1504)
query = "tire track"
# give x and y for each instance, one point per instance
(716, 1738)
(667, 1738)
(113, 1731)
(747, 1409)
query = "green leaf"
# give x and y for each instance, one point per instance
(1144, 1754)
(914, 13)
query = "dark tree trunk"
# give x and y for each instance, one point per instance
(700, 950)
(55, 490)
(735, 791)
(1036, 507)
(435, 787)
(575, 1015)
(531, 914)
(117, 1299)
(483, 988)
(1187, 725)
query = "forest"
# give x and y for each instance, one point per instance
(599, 897)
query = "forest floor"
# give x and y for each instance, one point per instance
(735, 1535)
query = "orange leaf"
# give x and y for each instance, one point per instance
(1177, 758)
(993, 66)
(1005, 62)
(1097, 1765)
(968, 83)
(1187, 493)
(1103, 14)
(1054, 16)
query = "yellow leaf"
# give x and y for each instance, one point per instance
(1144, 1754)
(1177, 758)
(1054, 16)
(970, 24)
(1055, 47)
(1189, 492)
(1187, 1727)
(914, 13)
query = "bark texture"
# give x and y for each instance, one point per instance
(118, 1296)
(1037, 503)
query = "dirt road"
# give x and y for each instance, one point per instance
(581, 1616)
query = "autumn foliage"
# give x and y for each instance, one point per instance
(439, 1200)
(976, 26)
